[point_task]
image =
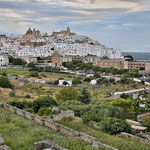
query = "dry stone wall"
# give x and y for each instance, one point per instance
(57, 127)
(47, 145)
(123, 134)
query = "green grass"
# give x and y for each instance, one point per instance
(16, 71)
(112, 140)
(20, 134)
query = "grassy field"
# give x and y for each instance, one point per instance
(20, 134)
(17, 71)
(35, 90)
(114, 141)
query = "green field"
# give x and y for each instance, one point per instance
(20, 134)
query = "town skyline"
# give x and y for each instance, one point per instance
(118, 24)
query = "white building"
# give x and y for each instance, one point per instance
(61, 83)
(4, 60)
(65, 42)
(93, 82)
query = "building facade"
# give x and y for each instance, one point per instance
(4, 60)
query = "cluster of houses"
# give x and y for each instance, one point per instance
(35, 44)
(63, 46)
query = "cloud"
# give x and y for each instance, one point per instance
(104, 20)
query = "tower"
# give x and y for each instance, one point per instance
(68, 29)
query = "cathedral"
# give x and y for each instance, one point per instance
(34, 32)
(63, 33)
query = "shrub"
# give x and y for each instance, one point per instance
(30, 110)
(91, 112)
(114, 125)
(21, 105)
(44, 112)
(17, 104)
(45, 101)
(28, 96)
(12, 94)
(5, 82)
(16, 61)
(76, 81)
(67, 94)
(84, 97)
(146, 123)
(4, 74)
(34, 74)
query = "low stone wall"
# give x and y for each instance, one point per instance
(68, 113)
(63, 114)
(47, 145)
(2, 144)
(57, 127)
(123, 134)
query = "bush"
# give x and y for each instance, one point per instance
(146, 123)
(28, 96)
(16, 61)
(76, 81)
(67, 94)
(114, 125)
(84, 97)
(91, 112)
(45, 101)
(4, 74)
(34, 74)
(17, 104)
(5, 82)
(44, 112)
(30, 110)
(12, 94)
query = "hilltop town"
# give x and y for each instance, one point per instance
(67, 91)
(63, 46)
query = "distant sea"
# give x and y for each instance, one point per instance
(138, 56)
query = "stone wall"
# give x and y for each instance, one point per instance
(57, 127)
(123, 134)
(2, 144)
(47, 145)
(63, 114)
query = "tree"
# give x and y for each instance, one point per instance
(132, 74)
(114, 125)
(67, 94)
(84, 97)
(31, 65)
(5, 82)
(76, 81)
(125, 104)
(16, 61)
(43, 102)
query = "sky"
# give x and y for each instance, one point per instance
(118, 24)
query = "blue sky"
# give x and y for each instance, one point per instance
(120, 24)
